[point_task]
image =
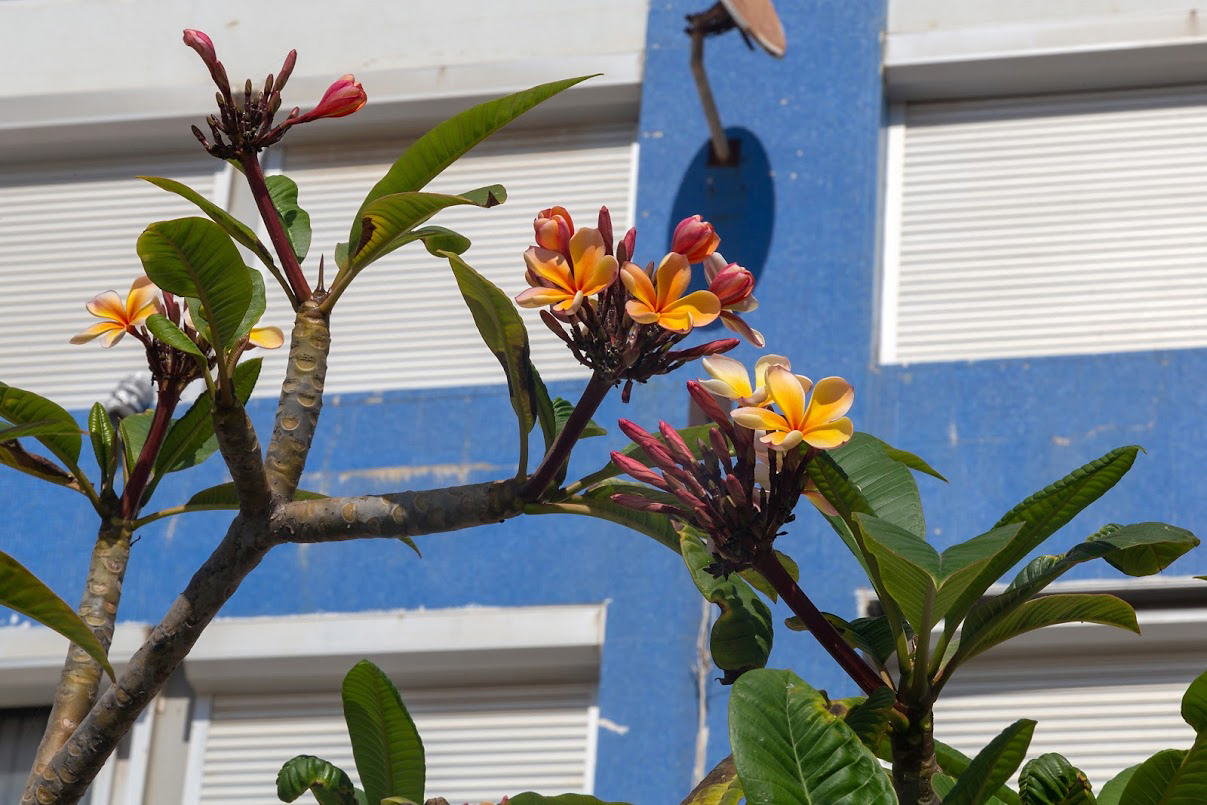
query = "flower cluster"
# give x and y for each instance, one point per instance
(244, 123)
(741, 484)
(118, 317)
(627, 329)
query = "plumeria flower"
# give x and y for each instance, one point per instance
(554, 227)
(731, 381)
(662, 301)
(120, 317)
(821, 424)
(695, 238)
(734, 286)
(566, 283)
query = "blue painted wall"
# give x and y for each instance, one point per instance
(801, 209)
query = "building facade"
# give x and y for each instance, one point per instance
(986, 217)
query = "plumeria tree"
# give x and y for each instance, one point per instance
(720, 495)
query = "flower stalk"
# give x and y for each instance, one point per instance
(559, 452)
(299, 289)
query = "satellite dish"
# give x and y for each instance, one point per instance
(757, 19)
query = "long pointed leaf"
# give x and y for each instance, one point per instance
(22, 591)
(655, 526)
(21, 407)
(449, 141)
(993, 765)
(104, 438)
(238, 230)
(386, 745)
(390, 218)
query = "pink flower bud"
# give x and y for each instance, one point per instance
(605, 228)
(733, 285)
(342, 98)
(695, 239)
(203, 45)
(554, 227)
(628, 243)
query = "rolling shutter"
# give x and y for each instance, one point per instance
(1103, 712)
(67, 233)
(1061, 224)
(481, 743)
(403, 323)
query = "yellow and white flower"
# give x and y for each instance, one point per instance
(118, 317)
(821, 423)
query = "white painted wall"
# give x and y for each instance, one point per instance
(917, 16)
(73, 46)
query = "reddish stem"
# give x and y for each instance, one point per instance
(137, 483)
(822, 629)
(276, 230)
(597, 388)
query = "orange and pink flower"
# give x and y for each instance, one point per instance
(118, 317)
(566, 283)
(662, 300)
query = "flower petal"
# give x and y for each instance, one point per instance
(107, 305)
(729, 372)
(571, 304)
(832, 398)
(638, 283)
(788, 394)
(819, 500)
(549, 266)
(92, 332)
(702, 306)
(586, 250)
(539, 297)
(143, 294)
(831, 434)
(783, 441)
(759, 419)
(266, 337)
(673, 277)
(601, 275)
(640, 312)
(112, 337)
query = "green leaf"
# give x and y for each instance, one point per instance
(255, 308)
(874, 636)
(1160, 546)
(910, 460)
(719, 787)
(12, 454)
(790, 750)
(887, 485)
(103, 436)
(47, 427)
(1156, 780)
(1049, 509)
(385, 743)
(225, 495)
(387, 223)
(993, 765)
(238, 230)
(190, 440)
(329, 784)
(562, 409)
(22, 591)
(655, 526)
(870, 718)
(284, 194)
(1051, 780)
(1112, 792)
(21, 407)
(134, 430)
(193, 257)
(448, 141)
(691, 436)
(1194, 705)
(1041, 612)
(506, 337)
(742, 634)
(1142, 543)
(164, 330)
(529, 798)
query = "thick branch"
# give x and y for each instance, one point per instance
(914, 763)
(241, 451)
(301, 400)
(67, 776)
(402, 514)
(81, 675)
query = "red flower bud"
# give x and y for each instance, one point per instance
(624, 252)
(695, 239)
(605, 228)
(203, 45)
(731, 283)
(342, 98)
(553, 229)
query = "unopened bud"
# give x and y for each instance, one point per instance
(342, 98)
(624, 252)
(605, 229)
(553, 228)
(203, 45)
(695, 239)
